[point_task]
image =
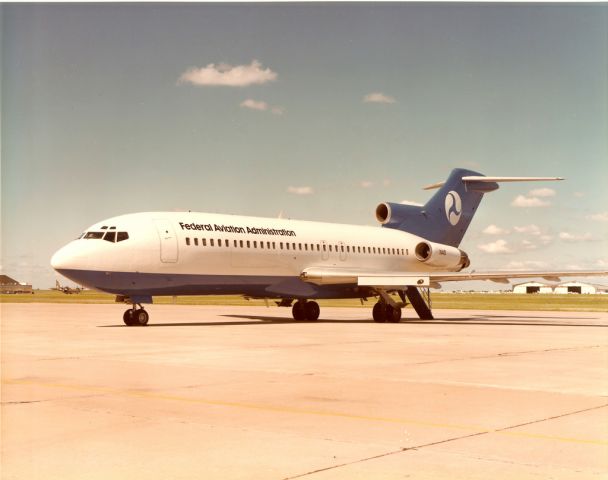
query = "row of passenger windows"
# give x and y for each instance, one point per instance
(306, 247)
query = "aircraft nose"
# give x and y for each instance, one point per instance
(61, 259)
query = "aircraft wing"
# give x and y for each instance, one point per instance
(334, 276)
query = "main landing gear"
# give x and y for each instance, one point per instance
(383, 312)
(304, 310)
(136, 317)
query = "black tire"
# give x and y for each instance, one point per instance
(298, 311)
(312, 311)
(140, 318)
(127, 317)
(379, 312)
(393, 314)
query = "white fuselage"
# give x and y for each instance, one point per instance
(178, 253)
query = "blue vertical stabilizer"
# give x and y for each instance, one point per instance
(446, 216)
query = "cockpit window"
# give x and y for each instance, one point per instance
(110, 237)
(120, 236)
(90, 235)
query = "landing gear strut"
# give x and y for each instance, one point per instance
(383, 312)
(136, 316)
(304, 310)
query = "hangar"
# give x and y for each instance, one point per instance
(560, 288)
(10, 285)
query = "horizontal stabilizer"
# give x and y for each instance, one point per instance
(482, 179)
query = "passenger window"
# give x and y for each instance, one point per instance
(105, 227)
(324, 247)
(306, 247)
(342, 248)
(287, 245)
(274, 246)
(235, 244)
(347, 249)
(120, 236)
(248, 244)
(241, 243)
(255, 244)
(293, 245)
(93, 235)
(187, 240)
(330, 248)
(281, 245)
(196, 242)
(110, 237)
(211, 242)
(261, 244)
(219, 242)
(204, 242)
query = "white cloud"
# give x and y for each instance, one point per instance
(366, 184)
(524, 202)
(598, 217)
(542, 192)
(528, 245)
(261, 106)
(378, 97)
(529, 229)
(494, 230)
(254, 104)
(525, 264)
(410, 202)
(572, 237)
(300, 190)
(228, 75)
(546, 239)
(499, 246)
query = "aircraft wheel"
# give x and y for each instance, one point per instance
(393, 314)
(298, 311)
(140, 317)
(379, 312)
(312, 310)
(127, 317)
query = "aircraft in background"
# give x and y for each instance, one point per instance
(138, 256)
(66, 289)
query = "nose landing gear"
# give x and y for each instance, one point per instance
(136, 317)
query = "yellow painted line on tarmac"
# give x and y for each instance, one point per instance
(299, 411)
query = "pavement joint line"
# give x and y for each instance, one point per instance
(270, 408)
(386, 454)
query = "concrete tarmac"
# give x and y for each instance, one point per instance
(247, 393)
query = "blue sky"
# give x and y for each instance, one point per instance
(318, 111)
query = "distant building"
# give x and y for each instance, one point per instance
(10, 285)
(561, 288)
(575, 287)
(532, 287)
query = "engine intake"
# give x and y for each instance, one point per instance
(443, 256)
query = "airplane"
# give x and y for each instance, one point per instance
(141, 255)
(65, 289)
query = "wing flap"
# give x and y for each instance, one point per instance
(367, 278)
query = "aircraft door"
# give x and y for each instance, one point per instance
(168, 241)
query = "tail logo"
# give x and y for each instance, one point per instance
(453, 207)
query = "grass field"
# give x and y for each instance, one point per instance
(464, 301)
